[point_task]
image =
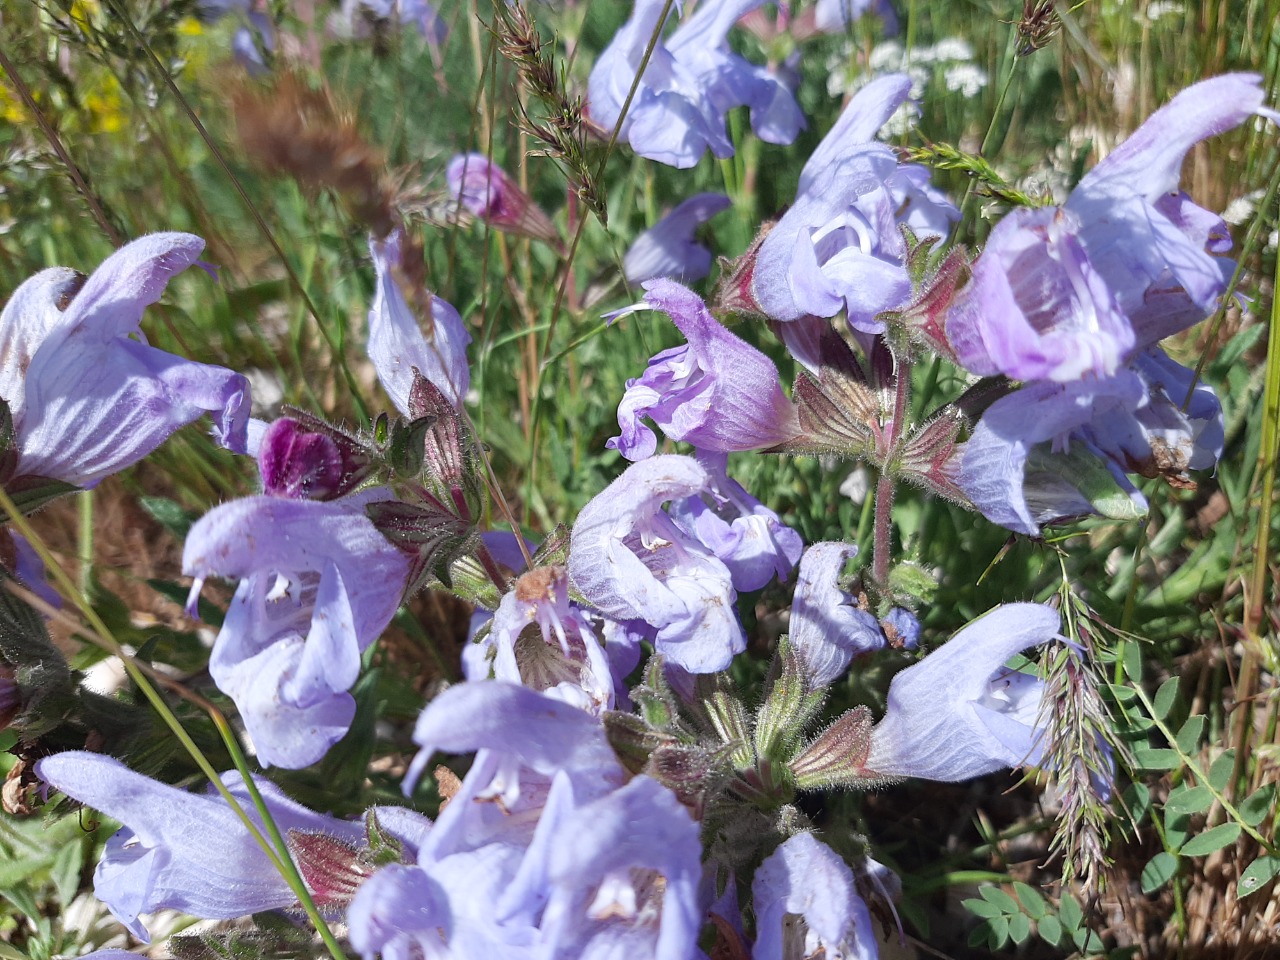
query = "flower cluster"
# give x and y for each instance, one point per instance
(623, 791)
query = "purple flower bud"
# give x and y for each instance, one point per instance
(298, 464)
(86, 397)
(959, 712)
(902, 628)
(668, 248)
(484, 189)
(718, 392)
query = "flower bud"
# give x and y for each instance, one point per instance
(488, 193)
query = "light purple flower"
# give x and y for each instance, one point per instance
(486, 191)
(318, 585)
(718, 392)
(745, 534)
(400, 912)
(837, 16)
(668, 248)
(520, 727)
(1143, 234)
(1035, 307)
(806, 880)
(839, 245)
(994, 467)
(827, 630)
(87, 398)
(691, 81)
(959, 712)
(397, 344)
(621, 878)
(633, 562)
(1159, 438)
(564, 654)
(179, 850)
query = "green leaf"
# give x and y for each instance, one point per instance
(1220, 772)
(998, 932)
(981, 908)
(1032, 903)
(169, 514)
(1087, 940)
(1137, 800)
(1019, 928)
(1256, 806)
(1001, 899)
(1167, 697)
(1257, 875)
(980, 934)
(1150, 758)
(1211, 840)
(1189, 735)
(1187, 799)
(1158, 871)
(1069, 913)
(1133, 654)
(1121, 694)
(66, 870)
(1050, 930)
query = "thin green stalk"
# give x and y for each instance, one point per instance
(84, 540)
(279, 855)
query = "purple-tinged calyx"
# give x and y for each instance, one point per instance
(486, 192)
(718, 392)
(960, 712)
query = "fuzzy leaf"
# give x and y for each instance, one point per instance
(1019, 928)
(1032, 903)
(1050, 930)
(981, 908)
(1220, 772)
(1001, 899)
(1069, 913)
(1147, 758)
(1189, 800)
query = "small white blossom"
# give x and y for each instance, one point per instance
(967, 78)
